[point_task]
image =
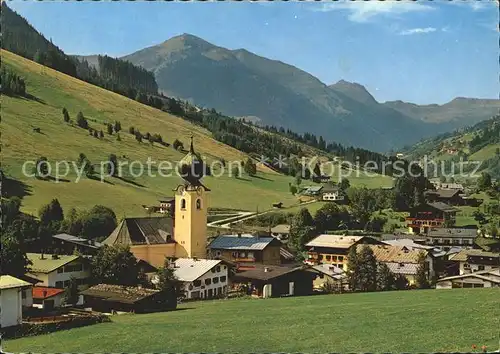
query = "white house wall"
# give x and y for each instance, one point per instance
(10, 307)
(209, 275)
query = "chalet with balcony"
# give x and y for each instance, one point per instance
(332, 193)
(473, 260)
(430, 215)
(333, 249)
(444, 237)
(479, 279)
(247, 249)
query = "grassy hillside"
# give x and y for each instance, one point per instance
(404, 321)
(62, 141)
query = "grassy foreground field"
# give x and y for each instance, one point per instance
(410, 321)
(60, 141)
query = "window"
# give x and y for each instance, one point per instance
(218, 253)
(320, 257)
(208, 281)
(481, 267)
(455, 242)
(334, 258)
(447, 241)
(198, 204)
(215, 280)
(60, 269)
(197, 283)
(341, 258)
(213, 270)
(224, 267)
(328, 258)
(183, 204)
(217, 269)
(466, 242)
(222, 279)
(59, 284)
(242, 254)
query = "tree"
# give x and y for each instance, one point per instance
(385, 278)
(41, 168)
(112, 166)
(344, 184)
(178, 145)
(422, 275)
(131, 130)
(484, 181)
(71, 292)
(367, 269)
(479, 217)
(250, 167)
(138, 136)
(298, 179)
(96, 135)
(401, 282)
(293, 189)
(169, 285)
(98, 222)
(51, 213)
(330, 217)
(10, 210)
(109, 128)
(442, 179)
(236, 171)
(301, 229)
(115, 265)
(101, 134)
(118, 138)
(353, 269)
(81, 121)
(363, 204)
(14, 259)
(118, 126)
(65, 115)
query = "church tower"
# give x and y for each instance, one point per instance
(190, 227)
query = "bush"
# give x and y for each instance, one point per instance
(81, 121)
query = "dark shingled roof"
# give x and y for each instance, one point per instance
(140, 231)
(119, 293)
(443, 206)
(444, 193)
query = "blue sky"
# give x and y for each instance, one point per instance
(421, 52)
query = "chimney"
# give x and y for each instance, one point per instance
(266, 269)
(55, 256)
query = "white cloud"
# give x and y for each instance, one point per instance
(417, 31)
(362, 11)
(475, 5)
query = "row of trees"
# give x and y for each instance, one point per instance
(11, 83)
(366, 274)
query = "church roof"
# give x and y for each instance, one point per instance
(140, 231)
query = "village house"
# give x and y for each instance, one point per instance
(473, 260)
(312, 191)
(183, 235)
(13, 297)
(329, 275)
(444, 238)
(333, 249)
(68, 244)
(332, 193)
(481, 279)
(430, 215)
(275, 281)
(448, 196)
(167, 206)
(110, 298)
(202, 278)
(402, 260)
(57, 270)
(46, 298)
(281, 231)
(246, 249)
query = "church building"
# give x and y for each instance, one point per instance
(183, 235)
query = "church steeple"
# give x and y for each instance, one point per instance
(191, 167)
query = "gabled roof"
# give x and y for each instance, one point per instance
(395, 254)
(330, 188)
(10, 282)
(266, 272)
(402, 268)
(243, 242)
(48, 264)
(44, 292)
(444, 193)
(190, 269)
(286, 254)
(492, 275)
(452, 232)
(334, 241)
(119, 293)
(443, 207)
(408, 243)
(464, 255)
(77, 240)
(330, 270)
(141, 231)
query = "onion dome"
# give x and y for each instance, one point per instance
(191, 168)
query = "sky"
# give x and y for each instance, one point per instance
(422, 52)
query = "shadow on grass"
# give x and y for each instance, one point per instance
(243, 179)
(98, 179)
(53, 179)
(262, 178)
(130, 181)
(13, 188)
(34, 98)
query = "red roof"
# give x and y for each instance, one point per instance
(43, 292)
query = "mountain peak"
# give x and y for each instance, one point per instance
(353, 90)
(187, 40)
